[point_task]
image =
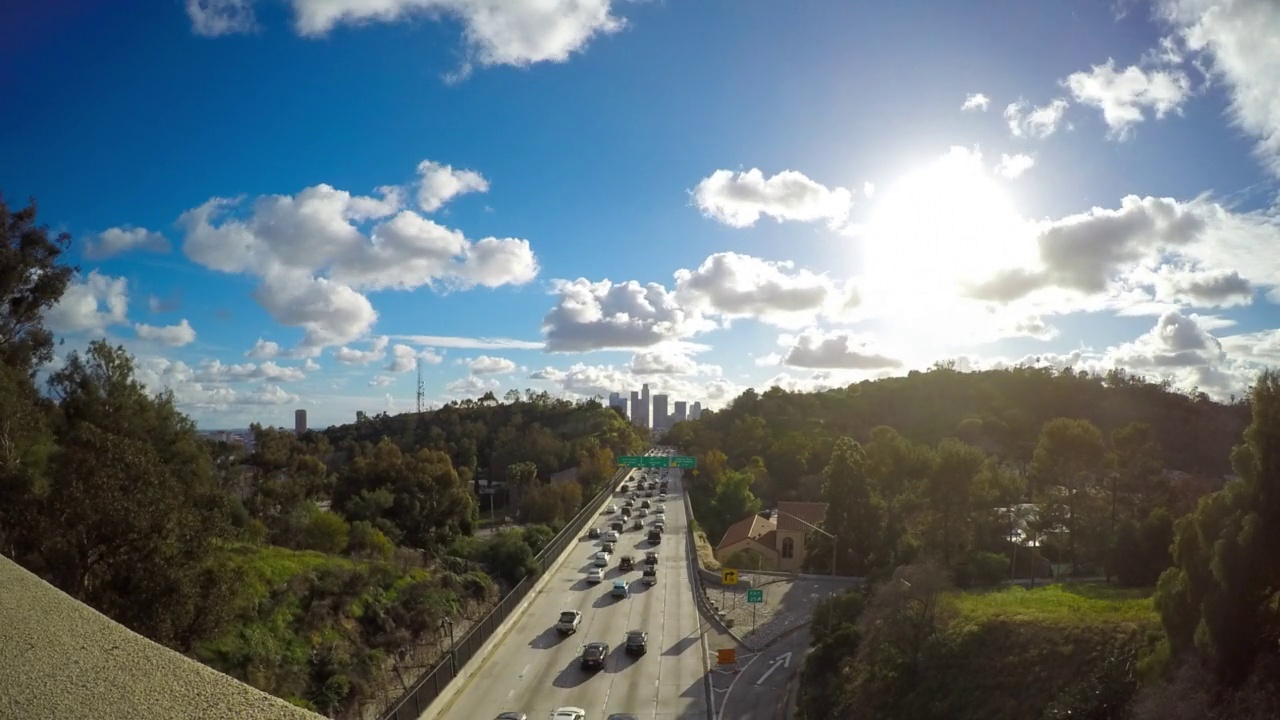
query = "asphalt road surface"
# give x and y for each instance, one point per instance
(536, 670)
(760, 689)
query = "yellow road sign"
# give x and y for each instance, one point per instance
(726, 656)
(729, 576)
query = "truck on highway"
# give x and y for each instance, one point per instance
(569, 622)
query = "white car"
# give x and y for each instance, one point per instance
(602, 559)
(569, 713)
(662, 510)
(595, 575)
(662, 497)
(611, 509)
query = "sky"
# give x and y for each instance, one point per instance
(283, 204)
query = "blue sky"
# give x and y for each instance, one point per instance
(703, 195)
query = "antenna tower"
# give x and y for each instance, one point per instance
(421, 393)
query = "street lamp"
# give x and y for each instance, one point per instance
(835, 541)
(447, 624)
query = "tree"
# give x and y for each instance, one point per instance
(31, 282)
(325, 532)
(1221, 597)
(950, 491)
(898, 468)
(1069, 456)
(854, 514)
(902, 617)
(1137, 485)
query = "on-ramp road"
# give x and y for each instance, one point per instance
(536, 671)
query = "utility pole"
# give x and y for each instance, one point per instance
(421, 393)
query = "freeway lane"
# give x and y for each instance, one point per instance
(536, 671)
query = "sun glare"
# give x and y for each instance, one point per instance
(935, 229)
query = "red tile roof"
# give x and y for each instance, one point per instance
(752, 527)
(812, 513)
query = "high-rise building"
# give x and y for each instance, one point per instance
(645, 407)
(616, 400)
(682, 412)
(695, 412)
(299, 421)
(660, 419)
(634, 413)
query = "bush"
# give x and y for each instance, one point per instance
(324, 532)
(981, 569)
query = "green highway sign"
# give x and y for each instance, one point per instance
(658, 461)
(684, 461)
(755, 596)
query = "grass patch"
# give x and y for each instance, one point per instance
(1059, 604)
(262, 568)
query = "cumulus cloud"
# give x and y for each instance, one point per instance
(1012, 166)
(1176, 341)
(171, 335)
(91, 304)
(585, 380)
(471, 386)
(1026, 121)
(212, 18)
(832, 351)
(214, 371)
(738, 200)
(405, 358)
(976, 101)
(594, 316)
(731, 285)
(497, 32)
(1237, 42)
(469, 343)
(438, 184)
(315, 262)
(349, 356)
(120, 240)
(381, 380)
(1200, 288)
(669, 362)
(263, 350)
(1123, 95)
(489, 365)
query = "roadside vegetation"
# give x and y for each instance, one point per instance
(318, 568)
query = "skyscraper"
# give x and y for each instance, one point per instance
(634, 413)
(660, 419)
(695, 412)
(644, 419)
(299, 421)
(616, 400)
(682, 412)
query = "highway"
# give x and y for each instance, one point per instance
(536, 670)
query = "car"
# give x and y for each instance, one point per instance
(643, 512)
(637, 642)
(512, 716)
(569, 713)
(626, 512)
(628, 503)
(655, 536)
(626, 563)
(593, 655)
(611, 536)
(660, 511)
(638, 524)
(650, 575)
(625, 487)
(645, 505)
(623, 716)
(594, 533)
(569, 622)
(602, 559)
(662, 496)
(659, 525)
(621, 589)
(606, 546)
(611, 509)
(651, 558)
(595, 575)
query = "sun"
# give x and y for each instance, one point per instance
(931, 232)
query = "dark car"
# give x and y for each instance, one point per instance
(616, 526)
(625, 487)
(651, 558)
(607, 547)
(512, 716)
(637, 642)
(593, 655)
(637, 524)
(626, 512)
(626, 563)
(623, 716)
(594, 533)
(655, 537)
(645, 504)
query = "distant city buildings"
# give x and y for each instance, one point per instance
(299, 421)
(654, 411)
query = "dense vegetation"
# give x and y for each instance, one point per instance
(318, 568)
(942, 483)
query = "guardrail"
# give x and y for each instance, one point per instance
(430, 684)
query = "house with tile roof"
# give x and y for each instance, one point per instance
(780, 541)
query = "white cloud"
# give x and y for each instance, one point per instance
(91, 304)
(263, 350)
(1122, 96)
(314, 262)
(594, 316)
(438, 184)
(1038, 122)
(213, 371)
(739, 200)
(585, 380)
(118, 240)
(172, 335)
(489, 365)
(731, 285)
(212, 18)
(976, 101)
(471, 386)
(1176, 341)
(497, 32)
(310, 365)
(381, 380)
(832, 351)
(869, 189)
(666, 361)
(1199, 288)
(405, 358)
(1239, 41)
(468, 343)
(377, 351)
(1012, 166)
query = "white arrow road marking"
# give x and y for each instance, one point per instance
(783, 660)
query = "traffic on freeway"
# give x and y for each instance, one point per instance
(620, 642)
